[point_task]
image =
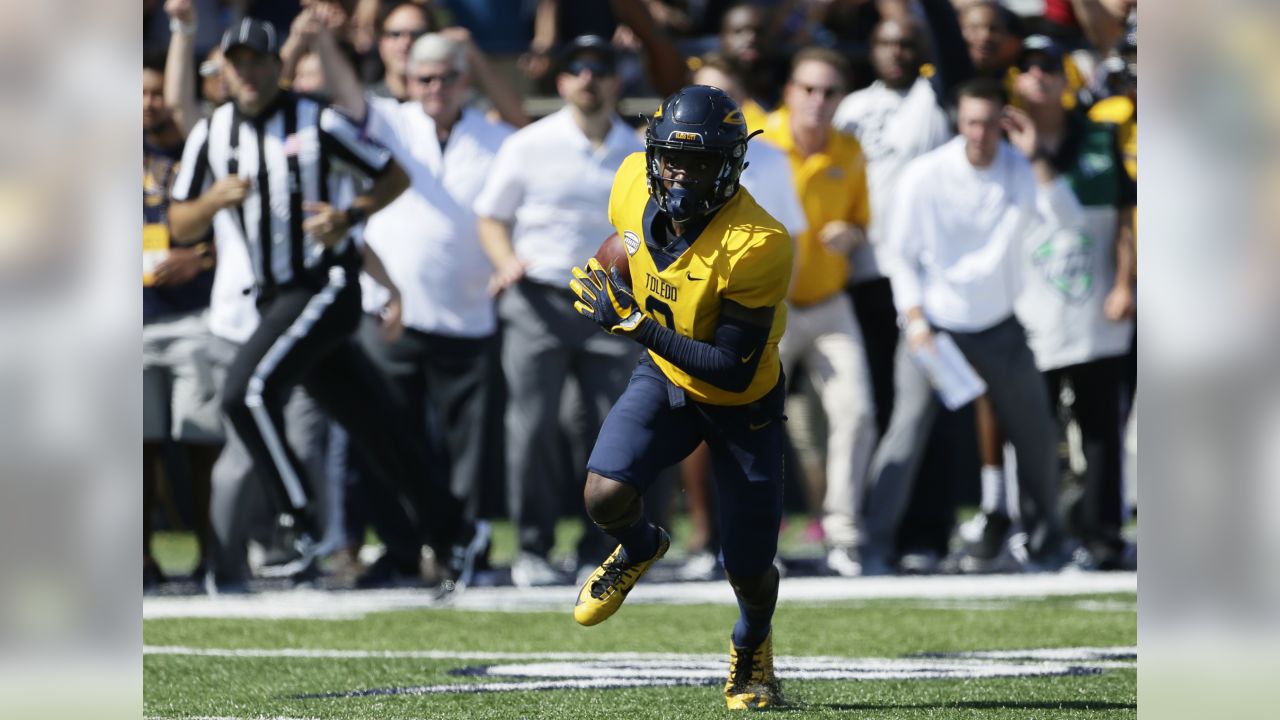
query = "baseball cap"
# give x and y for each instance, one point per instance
(257, 35)
(589, 44)
(1042, 45)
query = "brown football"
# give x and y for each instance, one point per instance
(613, 254)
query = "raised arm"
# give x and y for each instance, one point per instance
(1054, 198)
(179, 66)
(953, 64)
(345, 89)
(1100, 25)
(313, 30)
(504, 97)
(666, 66)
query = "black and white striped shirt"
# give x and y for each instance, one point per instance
(312, 153)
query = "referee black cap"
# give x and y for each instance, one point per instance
(257, 35)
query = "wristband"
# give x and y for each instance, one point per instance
(355, 216)
(177, 27)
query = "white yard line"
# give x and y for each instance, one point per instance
(332, 654)
(224, 718)
(524, 672)
(327, 605)
(631, 659)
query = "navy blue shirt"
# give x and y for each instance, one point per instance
(498, 26)
(159, 168)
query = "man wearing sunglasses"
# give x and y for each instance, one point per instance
(427, 238)
(1079, 298)
(292, 181)
(831, 181)
(543, 210)
(402, 24)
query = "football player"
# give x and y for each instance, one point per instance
(709, 271)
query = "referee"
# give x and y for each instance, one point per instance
(277, 172)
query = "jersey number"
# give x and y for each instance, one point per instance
(661, 310)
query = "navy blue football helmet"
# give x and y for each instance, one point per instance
(697, 119)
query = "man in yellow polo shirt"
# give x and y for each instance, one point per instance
(831, 181)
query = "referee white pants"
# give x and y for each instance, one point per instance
(825, 337)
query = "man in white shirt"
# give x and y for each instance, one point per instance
(898, 118)
(956, 231)
(543, 210)
(441, 364)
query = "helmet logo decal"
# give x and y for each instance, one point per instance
(684, 136)
(734, 118)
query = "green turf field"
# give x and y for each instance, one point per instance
(856, 640)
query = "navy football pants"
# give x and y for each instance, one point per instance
(653, 425)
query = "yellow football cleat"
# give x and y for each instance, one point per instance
(752, 684)
(603, 593)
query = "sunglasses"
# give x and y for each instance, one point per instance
(397, 34)
(598, 69)
(445, 80)
(1044, 64)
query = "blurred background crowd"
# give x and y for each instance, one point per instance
(510, 117)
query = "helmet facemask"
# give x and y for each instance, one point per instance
(700, 132)
(710, 178)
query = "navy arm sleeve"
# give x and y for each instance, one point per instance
(953, 65)
(730, 361)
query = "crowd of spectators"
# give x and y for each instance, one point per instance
(878, 151)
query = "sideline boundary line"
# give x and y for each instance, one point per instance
(352, 604)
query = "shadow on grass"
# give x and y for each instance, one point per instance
(1085, 705)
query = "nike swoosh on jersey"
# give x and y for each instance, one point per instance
(747, 359)
(691, 277)
(754, 426)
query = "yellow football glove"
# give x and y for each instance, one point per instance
(603, 297)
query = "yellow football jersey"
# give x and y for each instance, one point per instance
(754, 114)
(743, 255)
(831, 185)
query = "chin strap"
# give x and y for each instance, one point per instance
(680, 204)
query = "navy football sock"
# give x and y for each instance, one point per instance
(639, 540)
(755, 611)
